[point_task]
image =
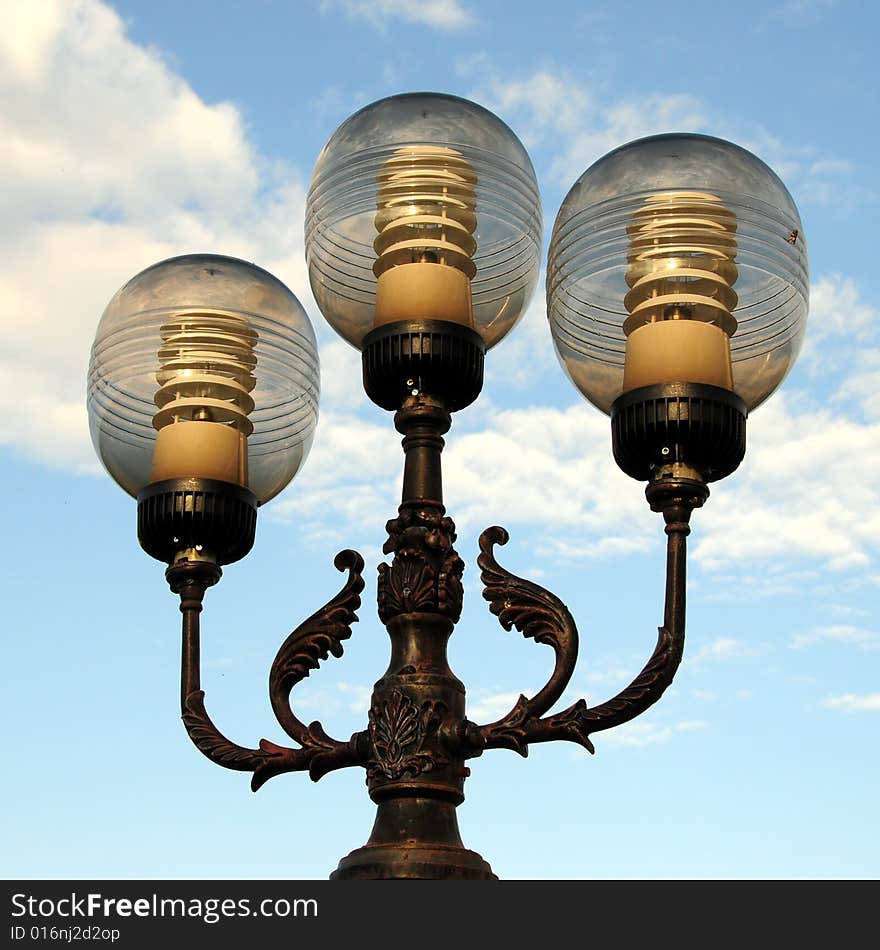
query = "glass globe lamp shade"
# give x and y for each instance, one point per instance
(423, 206)
(204, 367)
(677, 258)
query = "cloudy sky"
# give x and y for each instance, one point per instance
(135, 131)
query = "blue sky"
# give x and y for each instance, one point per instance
(135, 131)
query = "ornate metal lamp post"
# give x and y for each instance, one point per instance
(677, 299)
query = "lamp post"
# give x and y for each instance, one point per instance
(677, 301)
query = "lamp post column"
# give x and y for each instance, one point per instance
(416, 769)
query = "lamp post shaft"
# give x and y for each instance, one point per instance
(416, 769)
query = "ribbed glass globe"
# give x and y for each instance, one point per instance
(678, 230)
(204, 366)
(423, 177)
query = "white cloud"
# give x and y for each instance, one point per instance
(341, 388)
(801, 679)
(863, 384)
(543, 466)
(353, 467)
(771, 580)
(606, 546)
(30, 28)
(547, 107)
(719, 651)
(110, 163)
(846, 610)
(527, 354)
(342, 698)
(837, 633)
(842, 327)
(803, 10)
(357, 696)
(832, 166)
(552, 468)
(439, 14)
(617, 677)
(639, 734)
(97, 194)
(852, 702)
(322, 702)
(805, 489)
(486, 707)
(550, 103)
(571, 125)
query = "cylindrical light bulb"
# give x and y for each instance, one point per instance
(681, 273)
(425, 245)
(205, 377)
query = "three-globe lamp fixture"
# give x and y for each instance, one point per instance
(677, 300)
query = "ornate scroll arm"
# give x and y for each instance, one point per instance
(312, 641)
(538, 614)
(579, 721)
(265, 762)
(190, 579)
(676, 499)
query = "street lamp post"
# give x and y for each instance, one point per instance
(677, 301)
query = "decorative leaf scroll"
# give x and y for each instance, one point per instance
(536, 613)
(425, 575)
(322, 755)
(312, 641)
(323, 632)
(579, 722)
(212, 743)
(641, 693)
(270, 759)
(570, 724)
(540, 615)
(398, 731)
(408, 587)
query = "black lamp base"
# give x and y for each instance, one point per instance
(440, 359)
(700, 426)
(198, 514)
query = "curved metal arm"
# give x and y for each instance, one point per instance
(190, 579)
(676, 498)
(312, 641)
(538, 614)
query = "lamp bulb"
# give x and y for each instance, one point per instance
(681, 274)
(205, 377)
(425, 245)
